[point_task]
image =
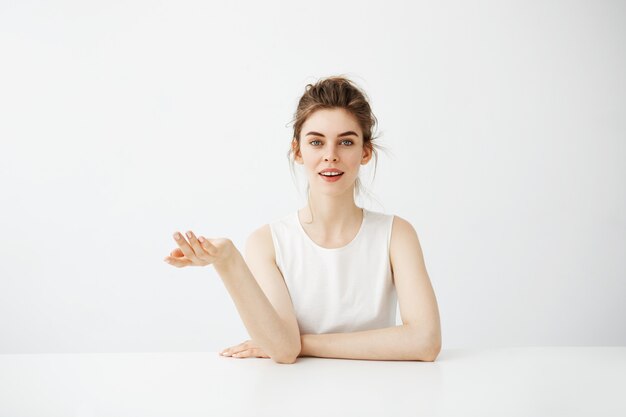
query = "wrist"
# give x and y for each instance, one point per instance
(229, 260)
(305, 341)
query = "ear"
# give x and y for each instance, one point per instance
(367, 154)
(297, 155)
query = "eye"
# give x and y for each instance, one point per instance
(314, 141)
(347, 140)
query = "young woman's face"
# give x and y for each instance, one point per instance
(332, 139)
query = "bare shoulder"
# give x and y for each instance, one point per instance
(260, 242)
(401, 231)
(404, 240)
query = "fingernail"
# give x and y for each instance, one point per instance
(176, 236)
(188, 234)
(201, 239)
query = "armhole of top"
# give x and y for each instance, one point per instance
(389, 232)
(278, 259)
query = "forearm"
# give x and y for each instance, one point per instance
(259, 317)
(392, 343)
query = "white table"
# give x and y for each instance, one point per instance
(536, 381)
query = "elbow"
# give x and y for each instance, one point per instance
(429, 348)
(286, 360)
(290, 356)
(432, 354)
(433, 350)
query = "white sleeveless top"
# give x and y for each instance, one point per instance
(338, 290)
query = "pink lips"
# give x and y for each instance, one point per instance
(331, 170)
(329, 178)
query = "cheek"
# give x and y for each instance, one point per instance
(310, 160)
(310, 166)
(354, 159)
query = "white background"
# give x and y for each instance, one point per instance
(122, 122)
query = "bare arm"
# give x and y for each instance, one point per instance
(419, 338)
(255, 285)
(399, 343)
(257, 313)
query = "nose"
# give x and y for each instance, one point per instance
(331, 155)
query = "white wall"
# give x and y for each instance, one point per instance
(121, 123)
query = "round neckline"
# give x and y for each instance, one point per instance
(332, 249)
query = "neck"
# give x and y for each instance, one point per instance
(331, 213)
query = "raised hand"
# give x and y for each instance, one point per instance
(200, 251)
(247, 349)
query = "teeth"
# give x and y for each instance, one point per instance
(330, 174)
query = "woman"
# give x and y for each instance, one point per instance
(325, 280)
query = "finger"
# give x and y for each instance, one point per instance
(246, 353)
(177, 253)
(228, 351)
(260, 354)
(184, 246)
(250, 353)
(233, 349)
(197, 246)
(178, 262)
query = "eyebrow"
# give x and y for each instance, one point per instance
(348, 133)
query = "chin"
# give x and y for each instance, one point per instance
(332, 188)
